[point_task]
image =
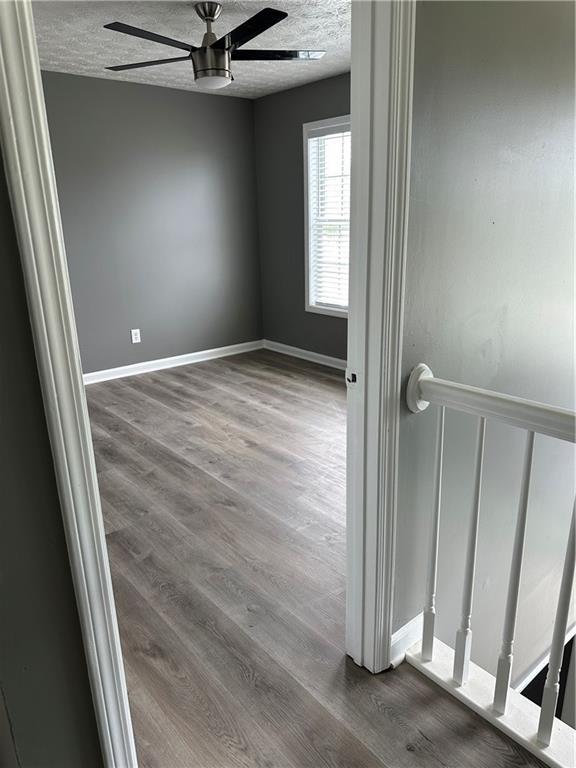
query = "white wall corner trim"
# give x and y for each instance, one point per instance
(305, 354)
(171, 362)
(404, 638)
(382, 75)
(32, 187)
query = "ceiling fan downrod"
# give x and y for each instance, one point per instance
(208, 12)
(212, 66)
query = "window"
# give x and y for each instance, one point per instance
(327, 201)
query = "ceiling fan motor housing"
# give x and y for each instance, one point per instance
(212, 63)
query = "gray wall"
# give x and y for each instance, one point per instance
(490, 298)
(163, 228)
(157, 194)
(46, 704)
(278, 129)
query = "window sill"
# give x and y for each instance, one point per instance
(331, 311)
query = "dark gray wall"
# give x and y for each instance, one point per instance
(157, 195)
(280, 185)
(489, 299)
(47, 706)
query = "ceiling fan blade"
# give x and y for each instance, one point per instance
(276, 55)
(255, 25)
(118, 26)
(122, 67)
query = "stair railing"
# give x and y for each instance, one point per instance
(537, 733)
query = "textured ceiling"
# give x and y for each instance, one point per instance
(71, 39)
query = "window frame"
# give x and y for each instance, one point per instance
(313, 130)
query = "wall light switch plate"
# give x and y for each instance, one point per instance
(135, 335)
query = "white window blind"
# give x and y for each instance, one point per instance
(327, 154)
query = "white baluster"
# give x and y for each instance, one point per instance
(464, 634)
(551, 687)
(507, 652)
(430, 607)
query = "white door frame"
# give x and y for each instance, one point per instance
(381, 108)
(381, 99)
(31, 183)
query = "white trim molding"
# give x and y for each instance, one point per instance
(32, 187)
(382, 75)
(305, 354)
(212, 354)
(171, 362)
(317, 128)
(404, 638)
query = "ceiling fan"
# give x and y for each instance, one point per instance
(211, 61)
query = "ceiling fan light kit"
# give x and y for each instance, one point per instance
(211, 68)
(212, 60)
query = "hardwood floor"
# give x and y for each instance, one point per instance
(223, 489)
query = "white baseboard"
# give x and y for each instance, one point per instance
(171, 362)
(211, 354)
(305, 354)
(404, 638)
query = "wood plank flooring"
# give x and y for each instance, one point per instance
(223, 488)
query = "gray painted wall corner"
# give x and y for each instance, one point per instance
(194, 236)
(278, 121)
(157, 194)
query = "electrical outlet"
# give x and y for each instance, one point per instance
(135, 335)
